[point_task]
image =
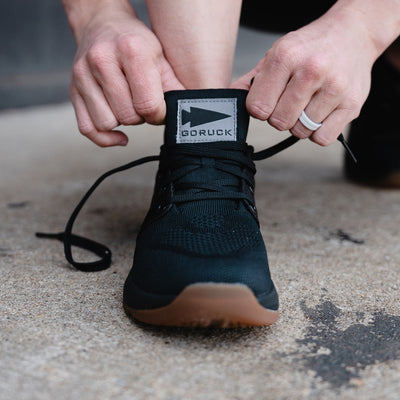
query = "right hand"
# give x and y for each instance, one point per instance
(119, 76)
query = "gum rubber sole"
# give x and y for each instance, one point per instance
(209, 304)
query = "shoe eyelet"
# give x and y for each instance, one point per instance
(162, 208)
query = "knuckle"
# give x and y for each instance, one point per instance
(322, 140)
(286, 50)
(352, 107)
(85, 128)
(282, 53)
(130, 45)
(353, 104)
(285, 46)
(128, 117)
(279, 123)
(79, 70)
(259, 110)
(97, 56)
(299, 132)
(315, 69)
(296, 97)
(147, 108)
(336, 87)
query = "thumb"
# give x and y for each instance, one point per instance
(169, 80)
(244, 82)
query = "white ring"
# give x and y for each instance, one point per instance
(309, 123)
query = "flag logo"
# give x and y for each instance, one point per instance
(206, 120)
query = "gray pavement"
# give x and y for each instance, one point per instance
(334, 254)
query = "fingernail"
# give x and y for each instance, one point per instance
(123, 142)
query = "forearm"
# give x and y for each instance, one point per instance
(81, 12)
(379, 18)
(198, 38)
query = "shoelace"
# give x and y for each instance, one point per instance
(232, 160)
(196, 191)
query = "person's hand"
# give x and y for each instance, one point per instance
(119, 76)
(323, 68)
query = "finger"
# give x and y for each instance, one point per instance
(244, 82)
(87, 128)
(145, 83)
(169, 81)
(332, 127)
(117, 92)
(297, 95)
(92, 94)
(322, 104)
(267, 87)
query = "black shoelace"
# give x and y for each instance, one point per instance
(238, 154)
(232, 160)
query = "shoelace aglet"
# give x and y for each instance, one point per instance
(56, 236)
(346, 146)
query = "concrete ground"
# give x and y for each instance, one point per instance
(334, 254)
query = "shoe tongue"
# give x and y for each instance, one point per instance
(200, 117)
(206, 116)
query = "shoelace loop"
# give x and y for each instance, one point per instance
(205, 192)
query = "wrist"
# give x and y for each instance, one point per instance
(377, 21)
(81, 12)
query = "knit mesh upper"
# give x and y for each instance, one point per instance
(211, 235)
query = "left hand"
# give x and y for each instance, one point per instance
(323, 68)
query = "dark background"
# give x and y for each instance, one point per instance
(36, 51)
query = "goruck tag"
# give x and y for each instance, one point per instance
(206, 120)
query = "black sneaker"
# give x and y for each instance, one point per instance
(200, 258)
(375, 135)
